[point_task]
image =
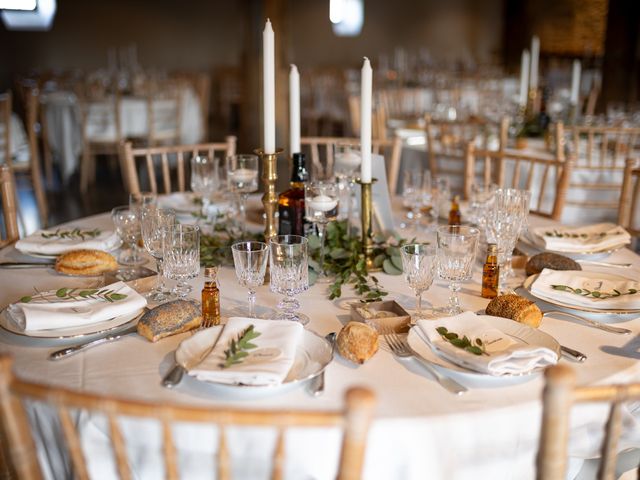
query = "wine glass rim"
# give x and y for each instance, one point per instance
(247, 246)
(458, 230)
(299, 240)
(425, 248)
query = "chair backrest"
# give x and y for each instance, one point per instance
(5, 120)
(629, 210)
(599, 146)
(164, 112)
(354, 420)
(560, 394)
(162, 157)
(378, 119)
(322, 154)
(9, 207)
(547, 178)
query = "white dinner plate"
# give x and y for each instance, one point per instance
(518, 331)
(594, 254)
(112, 248)
(71, 332)
(596, 276)
(312, 356)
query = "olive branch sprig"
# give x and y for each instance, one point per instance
(74, 294)
(238, 347)
(75, 233)
(585, 292)
(476, 347)
(559, 234)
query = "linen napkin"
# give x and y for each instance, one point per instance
(267, 364)
(504, 355)
(55, 242)
(73, 307)
(184, 203)
(580, 239)
(580, 287)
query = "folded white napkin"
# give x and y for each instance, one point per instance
(580, 239)
(184, 202)
(606, 286)
(75, 307)
(504, 354)
(55, 242)
(267, 364)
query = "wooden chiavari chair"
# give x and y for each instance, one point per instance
(321, 151)
(597, 146)
(6, 107)
(201, 84)
(560, 394)
(547, 178)
(9, 208)
(629, 210)
(20, 448)
(163, 157)
(378, 119)
(164, 112)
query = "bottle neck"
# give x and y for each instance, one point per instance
(299, 174)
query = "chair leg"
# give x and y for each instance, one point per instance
(85, 170)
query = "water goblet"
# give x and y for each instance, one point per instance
(347, 160)
(127, 223)
(204, 180)
(289, 274)
(418, 265)
(416, 193)
(242, 179)
(154, 223)
(441, 194)
(321, 201)
(456, 253)
(481, 196)
(250, 261)
(181, 255)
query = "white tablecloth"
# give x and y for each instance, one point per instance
(64, 123)
(420, 430)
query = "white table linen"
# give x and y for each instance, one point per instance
(38, 242)
(419, 429)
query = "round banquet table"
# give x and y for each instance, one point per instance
(420, 430)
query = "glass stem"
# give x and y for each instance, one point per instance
(160, 279)
(454, 302)
(419, 304)
(252, 303)
(242, 205)
(321, 234)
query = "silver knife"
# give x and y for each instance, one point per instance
(25, 264)
(174, 376)
(66, 352)
(573, 354)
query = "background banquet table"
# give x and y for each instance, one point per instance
(420, 430)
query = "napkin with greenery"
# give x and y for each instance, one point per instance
(64, 239)
(579, 239)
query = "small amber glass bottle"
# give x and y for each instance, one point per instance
(490, 273)
(454, 213)
(210, 297)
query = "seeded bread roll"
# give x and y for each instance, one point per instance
(539, 262)
(85, 262)
(357, 342)
(516, 308)
(170, 319)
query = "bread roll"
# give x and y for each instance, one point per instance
(85, 262)
(170, 319)
(516, 308)
(357, 342)
(539, 262)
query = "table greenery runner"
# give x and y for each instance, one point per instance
(343, 258)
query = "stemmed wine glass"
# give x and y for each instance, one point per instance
(416, 193)
(456, 252)
(347, 160)
(181, 255)
(481, 197)
(205, 180)
(289, 274)
(127, 223)
(154, 223)
(242, 178)
(441, 195)
(321, 207)
(418, 265)
(250, 260)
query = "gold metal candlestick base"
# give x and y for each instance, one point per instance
(269, 198)
(366, 208)
(533, 105)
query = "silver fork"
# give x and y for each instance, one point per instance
(403, 351)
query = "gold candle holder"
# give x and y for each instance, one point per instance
(366, 211)
(533, 105)
(269, 198)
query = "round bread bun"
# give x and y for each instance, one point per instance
(85, 263)
(357, 342)
(516, 308)
(539, 262)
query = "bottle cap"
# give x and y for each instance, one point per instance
(211, 272)
(492, 248)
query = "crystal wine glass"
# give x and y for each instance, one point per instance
(181, 255)
(154, 223)
(481, 196)
(205, 180)
(250, 260)
(441, 194)
(242, 178)
(347, 160)
(418, 265)
(289, 273)
(456, 252)
(321, 200)
(127, 223)
(416, 193)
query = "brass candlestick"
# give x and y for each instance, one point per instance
(269, 198)
(533, 105)
(366, 208)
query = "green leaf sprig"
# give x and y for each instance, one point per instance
(585, 292)
(238, 347)
(559, 234)
(74, 294)
(215, 249)
(75, 233)
(476, 347)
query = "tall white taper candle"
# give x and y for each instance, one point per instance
(269, 86)
(294, 110)
(366, 87)
(575, 82)
(524, 78)
(535, 58)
